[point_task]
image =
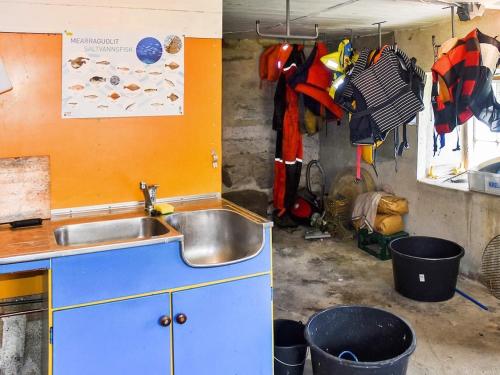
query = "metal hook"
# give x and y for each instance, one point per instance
(379, 25)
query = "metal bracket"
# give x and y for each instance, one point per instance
(379, 26)
(452, 11)
(288, 35)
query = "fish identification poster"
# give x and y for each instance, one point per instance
(122, 75)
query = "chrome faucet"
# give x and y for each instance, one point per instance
(149, 192)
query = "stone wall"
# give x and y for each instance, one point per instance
(248, 139)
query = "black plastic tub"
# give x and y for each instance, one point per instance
(359, 340)
(425, 268)
(290, 347)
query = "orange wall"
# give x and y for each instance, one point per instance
(97, 161)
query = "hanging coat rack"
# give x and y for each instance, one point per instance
(288, 35)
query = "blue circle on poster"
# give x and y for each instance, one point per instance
(149, 50)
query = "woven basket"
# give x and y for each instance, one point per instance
(338, 209)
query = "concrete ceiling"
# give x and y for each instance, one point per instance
(333, 16)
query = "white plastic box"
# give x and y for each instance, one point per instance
(485, 178)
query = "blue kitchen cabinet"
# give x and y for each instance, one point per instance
(123, 337)
(224, 329)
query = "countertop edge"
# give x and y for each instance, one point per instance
(89, 249)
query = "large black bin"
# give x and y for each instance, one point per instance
(377, 342)
(425, 268)
(290, 347)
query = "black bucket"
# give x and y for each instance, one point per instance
(425, 268)
(358, 340)
(290, 347)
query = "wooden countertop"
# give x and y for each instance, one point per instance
(35, 243)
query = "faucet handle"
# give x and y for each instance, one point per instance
(143, 185)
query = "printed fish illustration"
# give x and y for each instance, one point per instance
(77, 87)
(169, 83)
(97, 80)
(78, 62)
(140, 71)
(173, 65)
(114, 96)
(150, 90)
(103, 62)
(129, 106)
(172, 97)
(155, 73)
(156, 104)
(91, 96)
(173, 44)
(102, 106)
(123, 68)
(132, 87)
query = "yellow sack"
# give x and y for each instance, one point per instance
(389, 224)
(392, 205)
(357, 224)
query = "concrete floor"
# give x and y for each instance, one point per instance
(453, 337)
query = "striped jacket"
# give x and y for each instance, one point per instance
(388, 94)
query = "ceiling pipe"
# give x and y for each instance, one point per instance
(288, 34)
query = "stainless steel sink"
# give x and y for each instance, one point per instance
(109, 230)
(217, 237)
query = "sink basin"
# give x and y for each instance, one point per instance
(109, 230)
(217, 237)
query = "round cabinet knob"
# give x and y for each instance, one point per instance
(165, 321)
(181, 318)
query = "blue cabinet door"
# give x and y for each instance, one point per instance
(228, 330)
(123, 337)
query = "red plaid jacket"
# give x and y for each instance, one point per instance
(454, 77)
